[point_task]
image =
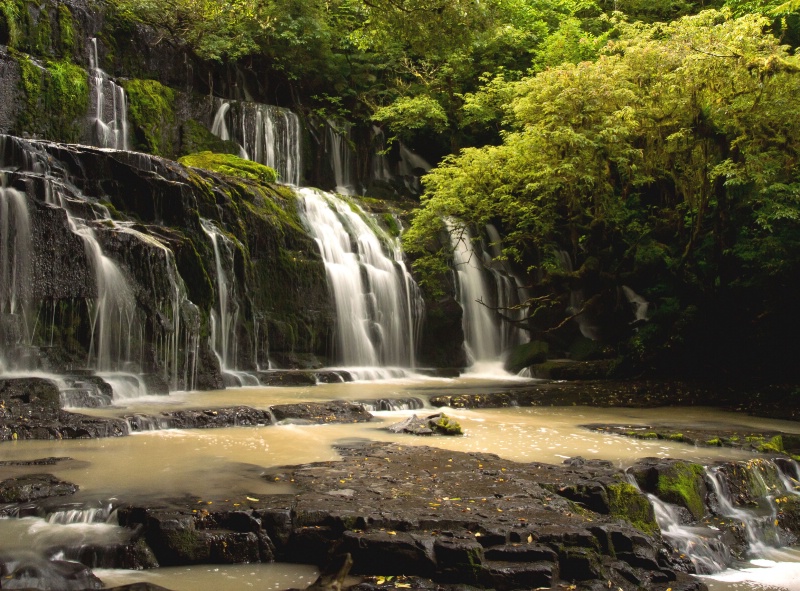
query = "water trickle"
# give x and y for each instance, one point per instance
(378, 304)
(340, 153)
(16, 258)
(108, 107)
(639, 305)
(380, 163)
(266, 134)
(481, 329)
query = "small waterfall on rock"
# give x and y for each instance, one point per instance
(639, 306)
(486, 334)
(378, 304)
(266, 134)
(87, 320)
(224, 319)
(380, 163)
(577, 300)
(744, 519)
(412, 166)
(340, 153)
(510, 296)
(108, 107)
(16, 260)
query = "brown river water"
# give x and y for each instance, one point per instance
(223, 463)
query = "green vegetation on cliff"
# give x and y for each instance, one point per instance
(232, 166)
(152, 111)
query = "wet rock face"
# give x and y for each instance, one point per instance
(33, 572)
(30, 408)
(34, 487)
(319, 413)
(425, 514)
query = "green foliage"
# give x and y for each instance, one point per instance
(232, 166)
(413, 113)
(670, 156)
(152, 112)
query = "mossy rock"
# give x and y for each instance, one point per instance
(447, 426)
(526, 355)
(683, 484)
(585, 349)
(151, 107)
(231, 165)
(627, 502)
(196, 138)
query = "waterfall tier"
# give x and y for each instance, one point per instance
(108, 107)
(378, 304)
(266, 134)
(487, 292)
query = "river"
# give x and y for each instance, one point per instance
(217, 464)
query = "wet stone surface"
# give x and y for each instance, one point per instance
(429, 514)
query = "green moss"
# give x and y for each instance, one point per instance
(649, 435)
(675, 437)
(447, 426)
(682, 485)
(10, 21)
(773, 446)
(66, 29)
(716, 441)
(152, 112)
(42, 34)
(196, 138)
(392, 227)
(231, 165)
(627, 502)
(56, 98)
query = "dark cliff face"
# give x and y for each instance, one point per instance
(145, 214)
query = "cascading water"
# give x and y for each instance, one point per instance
(510, 296)
(108, 107)
(486, 334)
(266, 134)
(224, 318)
(377, 302)
(576, 300)
(93, 322)
(705, 543)
(16, 254)
(340, 153)
(380, 164)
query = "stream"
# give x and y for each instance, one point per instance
(221, 463)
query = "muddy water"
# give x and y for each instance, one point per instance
(225, 463)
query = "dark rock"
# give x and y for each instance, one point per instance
(390, 553)
(287, 378)
(526, 355)
(321, 412)
(32, 487)
(28, 571)
(439, 424)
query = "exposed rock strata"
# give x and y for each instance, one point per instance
(451, 517)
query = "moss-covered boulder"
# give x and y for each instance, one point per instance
(526, 355)
(676, 482)
(231, 165)
(627, 502)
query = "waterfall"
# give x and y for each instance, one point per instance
(755, 515)
(224, 319)
(108, 107)
(16, 260)
(340, 153)
(266, 134)
(639, 306)
(576, 300)
(481, 328)
(510, 295)
(377, 302)
(87, 311)
(380, 164)
(411, 167)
